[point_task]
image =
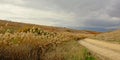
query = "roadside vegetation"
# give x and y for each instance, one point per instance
(70, 50)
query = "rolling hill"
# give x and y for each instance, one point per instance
(17, 25)
(113, 36)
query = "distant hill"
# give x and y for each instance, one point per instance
(17, 26)
(113, 36)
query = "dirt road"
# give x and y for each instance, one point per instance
(107, 50)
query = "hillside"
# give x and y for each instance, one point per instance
(17, 26)
(113, 36)
(22, 41)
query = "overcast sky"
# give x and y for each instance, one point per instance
(98, 15)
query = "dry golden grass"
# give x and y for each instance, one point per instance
(66, 51)
(26, 46)
(113, 37)
(32, 42)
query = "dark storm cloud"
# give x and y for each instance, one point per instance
(102, 23)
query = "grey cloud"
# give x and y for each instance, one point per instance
(87, 12)
(115, 9)
(101, 23)
(35, 4)
(81, 7)
(75, 6)
(40, 4)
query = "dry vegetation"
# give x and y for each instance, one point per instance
(32, 42)
(113, 37)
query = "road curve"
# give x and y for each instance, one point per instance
(105, 49)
